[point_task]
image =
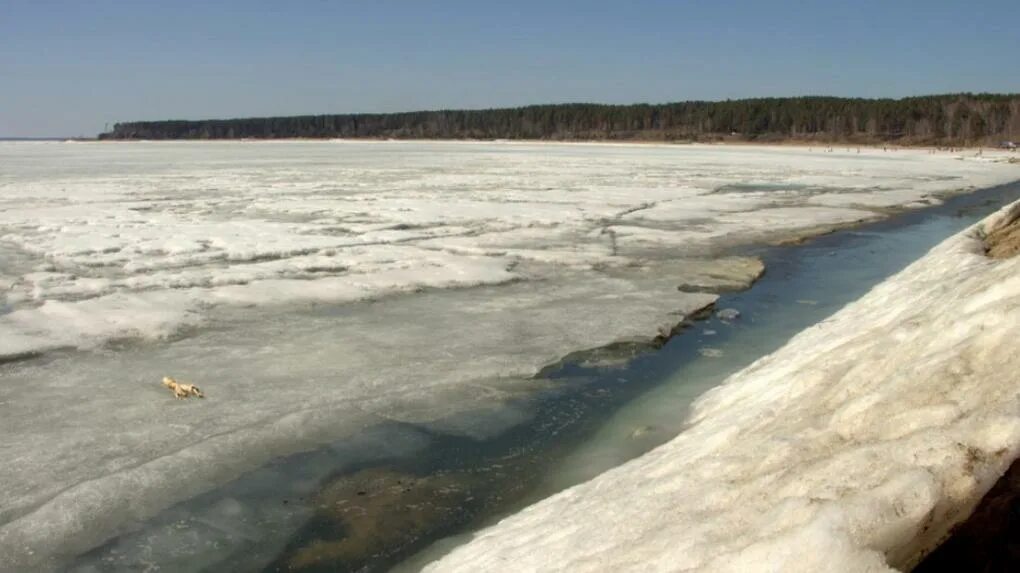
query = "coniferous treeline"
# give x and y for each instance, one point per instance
(956, 119)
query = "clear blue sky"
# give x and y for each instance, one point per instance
(69, 67)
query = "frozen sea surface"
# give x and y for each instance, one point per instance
(315, 288)
(857, 446)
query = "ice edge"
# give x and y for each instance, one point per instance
(858, 446)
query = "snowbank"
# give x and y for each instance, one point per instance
(855, 447)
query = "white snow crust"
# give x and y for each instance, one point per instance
(855, 447)
(315, 288)
(114, 229)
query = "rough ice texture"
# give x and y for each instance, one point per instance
(134, 241)
(314, 288)
(855, 447)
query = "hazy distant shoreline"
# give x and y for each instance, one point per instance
(30, 139)
(820, 145)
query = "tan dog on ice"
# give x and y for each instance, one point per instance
(182, 390)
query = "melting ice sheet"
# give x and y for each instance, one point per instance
(314, 288)
(855, 447)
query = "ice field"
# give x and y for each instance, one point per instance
(855, 447)
(312, 288)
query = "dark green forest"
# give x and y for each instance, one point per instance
(954, 119)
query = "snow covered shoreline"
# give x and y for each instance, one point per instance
(856, 447)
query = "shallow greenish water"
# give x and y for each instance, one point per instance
(399, 495)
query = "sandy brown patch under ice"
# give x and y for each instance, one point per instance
(1004, 242)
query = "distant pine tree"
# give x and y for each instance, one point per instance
(953, 119)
